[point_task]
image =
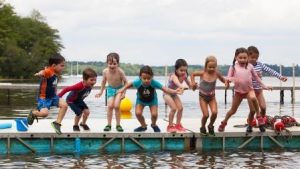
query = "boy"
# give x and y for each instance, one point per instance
(47, 92)
(115, 77)
(78, 93)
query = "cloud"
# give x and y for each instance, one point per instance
(148, 28)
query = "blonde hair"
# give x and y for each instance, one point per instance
(209, 59)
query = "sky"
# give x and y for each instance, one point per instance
(157, 32)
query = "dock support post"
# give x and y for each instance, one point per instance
(187, 144)
(26, 145)
(275, 141)
(137, 143)
(123, 145)
(8, 145)
(261, 142)
(107, 143)
(281, 96)
(199, 144)
(292, 96)
(223, 143)
(246, 142)
(52, 144)
(162, 143)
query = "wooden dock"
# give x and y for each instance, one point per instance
(41, 138)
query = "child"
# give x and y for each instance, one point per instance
(173, 101)
(259, 68)
(78, 93)
(47, 93)
(116, 79)
(146, 96)
(242, 73)
(208, 78)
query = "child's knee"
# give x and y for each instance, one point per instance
(43, 113)
(205, 116)
(253, 99)
(214, 113)
(173, 110)
(180, 109)
(138, 113)
(86, 112)
(63, 105)
(110, 106)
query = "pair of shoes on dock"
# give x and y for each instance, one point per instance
(118, 128)
(155, 128)
(211, 131)
(84, 126)
(175, 128)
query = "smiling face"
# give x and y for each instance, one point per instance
(112, 64)
(181, 71)
(242, 58)
(211, 66)
(146, 79)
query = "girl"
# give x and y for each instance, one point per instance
(146, 96)
(208, 78)
(242, 73)
(259, 68)
(173, 101)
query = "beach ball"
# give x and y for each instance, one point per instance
(125, 108)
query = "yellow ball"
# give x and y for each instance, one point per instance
(125, 105)
(126, 115)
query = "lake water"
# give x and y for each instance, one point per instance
(22, 101)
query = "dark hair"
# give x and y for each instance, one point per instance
(147, 70)
(179, 63)
(237, 52)
(253, 49)
(88, 73)
(56, 59)
(112, 56)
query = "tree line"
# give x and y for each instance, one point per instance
(133, 69)
(25, 43)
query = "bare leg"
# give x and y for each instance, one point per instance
(205, 113)
(76, 120)
(235, 104)
(153, 110)
(110, 108)
(262, 103)
(117, 107)
(179, 109)
(85, 116)
(214, 112)
(170, 102)
(139, 115)
(44, 112)
(63, 106)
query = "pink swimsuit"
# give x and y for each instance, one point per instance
(242, 78)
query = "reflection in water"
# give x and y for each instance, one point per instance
(214, 159)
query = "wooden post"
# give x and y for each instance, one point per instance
(105, 96)
(225, 96)
(280, 84)
(281, 96)
(8, 96)
(293, 90)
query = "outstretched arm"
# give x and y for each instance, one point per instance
(273, 72)
(255, 76)
(127, 86)
(171, 91)
(196, 73)
(102, 85)
(223, 80)
(76, 87)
